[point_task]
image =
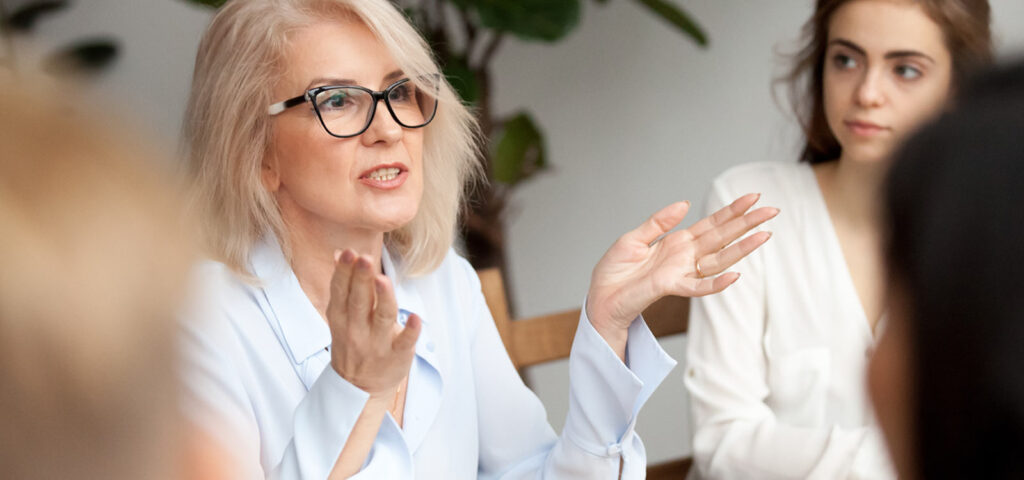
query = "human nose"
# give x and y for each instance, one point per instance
(383, 127)
(869, 91)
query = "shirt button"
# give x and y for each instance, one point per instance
(692, 373)
(430, 346)
(614, 449)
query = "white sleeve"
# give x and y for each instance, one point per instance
(216, 398)
(605, 396)
(736, 435)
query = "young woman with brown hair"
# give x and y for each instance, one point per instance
(776, 364)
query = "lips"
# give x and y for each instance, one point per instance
(864, 128)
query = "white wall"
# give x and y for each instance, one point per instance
(153, 72)
(635, 116)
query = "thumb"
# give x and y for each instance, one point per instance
(660, 223)
(406, 339)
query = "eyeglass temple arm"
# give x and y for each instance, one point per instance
(282, 106)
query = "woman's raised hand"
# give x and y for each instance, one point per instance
(368, 347)
(649, 263)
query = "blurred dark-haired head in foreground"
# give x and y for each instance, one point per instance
(947, 378)
(94, 260)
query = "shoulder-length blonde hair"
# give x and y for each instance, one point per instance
(227, 128)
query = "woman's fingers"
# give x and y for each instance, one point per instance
(386, 312)
(340, 281)
(699, 287)
(660, 223)
(724, 215)
(713, 240)
(718, 262)
(360, 295)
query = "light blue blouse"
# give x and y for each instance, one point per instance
(258, 378)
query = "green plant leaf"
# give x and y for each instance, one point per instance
(545, 20)
(24, 18)
(88, 56)
(208, 3)
(678, 18)
(520, 152)
(458, 73)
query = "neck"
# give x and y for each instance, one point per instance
(312, 255)
(853, 190)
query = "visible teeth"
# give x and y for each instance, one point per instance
(384, 174)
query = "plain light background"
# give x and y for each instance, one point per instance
(636, 117)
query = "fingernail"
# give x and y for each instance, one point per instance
(337, 255)
(775, 211)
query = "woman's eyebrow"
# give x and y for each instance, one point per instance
(908, 53)
(348, 81)
(848, 44)
(888, 55)
(329, 81)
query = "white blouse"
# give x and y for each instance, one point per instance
(777, 362)
(258, 377)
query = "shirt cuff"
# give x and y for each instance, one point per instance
(324, 420)
(605, 394)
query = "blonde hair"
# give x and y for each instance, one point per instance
(94, 266)
(242, 55)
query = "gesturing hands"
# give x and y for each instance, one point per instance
(368, 347)
(641, 268)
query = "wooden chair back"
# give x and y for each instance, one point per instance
(536, 340)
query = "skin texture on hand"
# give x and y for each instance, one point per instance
(368, 348)
(648, 263)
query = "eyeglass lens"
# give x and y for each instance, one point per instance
(346, 111)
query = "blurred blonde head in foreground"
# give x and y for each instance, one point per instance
(94, 261)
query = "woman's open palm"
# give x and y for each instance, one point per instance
(649, 262)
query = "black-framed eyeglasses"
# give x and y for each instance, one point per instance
(347, 110)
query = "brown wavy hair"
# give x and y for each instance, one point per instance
(965, 25)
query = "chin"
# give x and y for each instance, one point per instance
(394, 219)
(869, 153)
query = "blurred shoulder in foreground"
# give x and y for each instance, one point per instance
(95, 254)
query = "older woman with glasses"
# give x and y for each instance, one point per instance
(341, 335)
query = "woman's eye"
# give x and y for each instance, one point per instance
(907, 72)
(844, 62)
(335, 100)
(401, 93)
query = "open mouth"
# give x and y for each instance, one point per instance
(384, 174)
(385, 177)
